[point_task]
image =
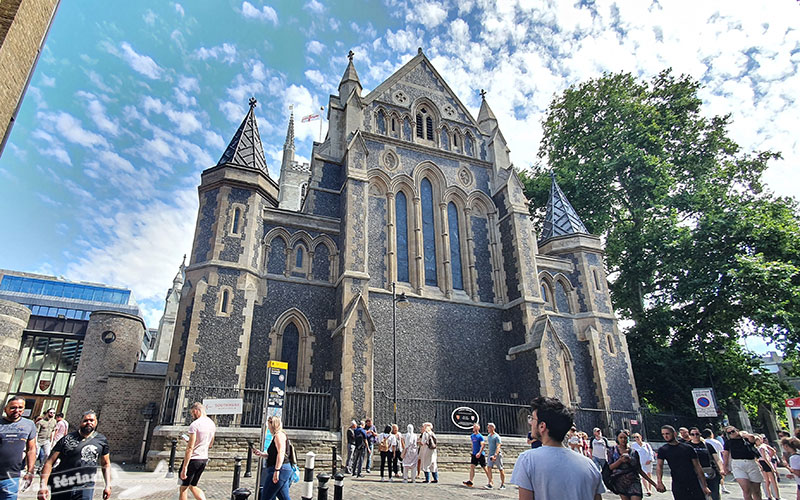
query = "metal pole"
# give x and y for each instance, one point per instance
(237, 470)
(394, 352)
(308, 478)
(334, 462)
(338, 486)
(322, 489)
(171, 471)
(247, 472)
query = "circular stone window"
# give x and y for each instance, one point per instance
(108, 336)
(449, 111)
(400, 97)
(390, 160)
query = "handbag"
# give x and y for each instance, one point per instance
(606, 473)
(293, 462)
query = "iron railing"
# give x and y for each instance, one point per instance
(303, 408)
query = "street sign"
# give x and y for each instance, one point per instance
(274, 396)
(793, 413)
(223, 406)
(464, 417)
(704, 402)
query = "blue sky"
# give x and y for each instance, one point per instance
(130, 101)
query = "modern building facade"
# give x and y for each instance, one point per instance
(408, 190)
(51, 333)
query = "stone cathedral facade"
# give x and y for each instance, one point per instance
(407, 188)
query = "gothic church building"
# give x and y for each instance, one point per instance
(408, 188)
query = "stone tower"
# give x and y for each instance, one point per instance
(294, 175)
(166, 326)
(212, 334)
(13, 319)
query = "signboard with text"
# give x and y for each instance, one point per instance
(704, 402)
(464, 417)
(223, 406)
(793, 413)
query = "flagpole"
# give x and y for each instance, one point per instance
(321, 109)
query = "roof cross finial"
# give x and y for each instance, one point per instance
(483, 94)
(252, 102)
(350, 55)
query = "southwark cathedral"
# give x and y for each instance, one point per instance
(410, 200)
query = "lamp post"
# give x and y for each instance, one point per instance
(397, 301)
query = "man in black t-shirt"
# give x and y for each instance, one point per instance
(688, 481)
(80, 453)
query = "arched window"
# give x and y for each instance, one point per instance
(545, 296)
(303, 189)
(237, 215)
(428, 233)
(455, 140)
(289, 350)
(455, 246)
(469, 145)
(597, 285)
(401, 226)
(419, 125)
(425, 120)
(444, 139)
(224, 301)
(429, 128)
(299, 256)
(381, 122)
(394, 127)
(610, 341)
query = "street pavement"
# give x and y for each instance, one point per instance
(133, 484)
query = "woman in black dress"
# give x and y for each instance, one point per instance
(626, 470)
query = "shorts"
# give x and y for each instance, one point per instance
(746, 469)
(481, 460)
(193, 472)
(687, 491)
(764, 466)
(497, 463)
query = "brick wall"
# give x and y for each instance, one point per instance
(121, 420)
(453, 454)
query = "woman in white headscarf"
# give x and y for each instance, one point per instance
(427, 453)
(410, 454)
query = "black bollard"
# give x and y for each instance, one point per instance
(338, 485)
(237, 469)
(322, 489)
(334, 461)
(240, 494)
(247, 467)
(171, 470)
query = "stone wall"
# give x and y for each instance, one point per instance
(23, 25)
(127, 394)
(13, 319)
(453, 454)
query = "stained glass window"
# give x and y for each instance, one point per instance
(455, 246)
(428, 233)
(289, 348)
(401, 225)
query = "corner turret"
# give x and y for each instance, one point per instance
(350, 80)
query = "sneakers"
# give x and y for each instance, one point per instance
(468, 484)
(502, 487)
(488, 487)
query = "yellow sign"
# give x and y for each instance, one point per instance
(278, 364)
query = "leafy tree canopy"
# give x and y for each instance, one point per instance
(699, 252)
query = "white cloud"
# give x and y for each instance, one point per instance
(98, 114)
(150, 238)
(179, 9)
(214, 141)
(315, 7)
(72, 129)
(266, 13)
(188, 84)
(315, 47)
(225, 53)
(149, 17)
(48, 81)
(52, 147)
(97, 80)
(315, 77)
(429, 14)
(140, 63)
(334, 24)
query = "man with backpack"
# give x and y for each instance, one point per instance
(600, 448)
(360, 443)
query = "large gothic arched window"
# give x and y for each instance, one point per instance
(428, 233)
(455, 246)
(401, 224)
(289, 349)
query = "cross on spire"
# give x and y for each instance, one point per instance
(252, 102)
(483, 94)
(350, 55)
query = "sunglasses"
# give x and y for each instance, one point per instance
(694, 433)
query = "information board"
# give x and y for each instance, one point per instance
(704, 402)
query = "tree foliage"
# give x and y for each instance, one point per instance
(699, 252)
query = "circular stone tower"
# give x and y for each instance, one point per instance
(112, 344)
(13, 319)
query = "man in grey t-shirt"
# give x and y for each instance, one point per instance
(495, 460)
(17, 439)
(540, 473)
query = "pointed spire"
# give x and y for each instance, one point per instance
(486, 119)
(349, 79)
(289, 143)
(245, 148)
(181, 274)
(561, 219)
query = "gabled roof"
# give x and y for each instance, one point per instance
(406, 69)
(245, 148)
(561, 219)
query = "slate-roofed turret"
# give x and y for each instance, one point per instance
(245, 148)
(486, 119)
(350, 80)
(560, 219)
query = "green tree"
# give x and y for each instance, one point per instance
(698, 251)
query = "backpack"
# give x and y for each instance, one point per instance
(384, 444)
(432, 442)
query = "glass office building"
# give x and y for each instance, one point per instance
(53, 339)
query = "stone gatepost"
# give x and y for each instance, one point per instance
(112, 344)
(13, 319)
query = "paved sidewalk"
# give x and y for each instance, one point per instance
(217, 486)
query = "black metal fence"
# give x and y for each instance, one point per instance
(303, 408)
(654, 421)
